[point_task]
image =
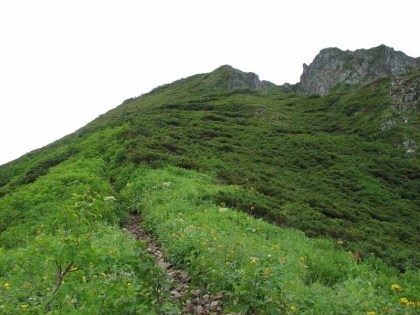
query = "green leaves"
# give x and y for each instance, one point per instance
(260, 268)
(71, 258)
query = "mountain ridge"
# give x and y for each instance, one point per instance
(266, 200)
(334, 66)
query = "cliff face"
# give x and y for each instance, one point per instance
(333, 66)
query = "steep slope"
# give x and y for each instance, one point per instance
(342, 167)
(324, 165)
(333, 66)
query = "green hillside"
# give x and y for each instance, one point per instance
(285, 202)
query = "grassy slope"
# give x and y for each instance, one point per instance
(317, 164)
(260, 267)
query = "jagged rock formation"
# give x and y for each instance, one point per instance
(244, 80)
(241, 80)
(333, 66)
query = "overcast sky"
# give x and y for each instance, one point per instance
(63, 63)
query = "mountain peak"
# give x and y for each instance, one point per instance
(237, 79)
(333, 66)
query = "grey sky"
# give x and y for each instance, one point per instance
(63, 63)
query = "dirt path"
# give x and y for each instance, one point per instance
(193, 301)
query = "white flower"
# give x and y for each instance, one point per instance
(112, 198)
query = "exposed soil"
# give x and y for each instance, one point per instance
(192, 301)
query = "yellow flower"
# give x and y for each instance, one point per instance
(48, 289)
(6, 286)
(266, 272)
(24, 306)
(254, 260)
(371, 313)
(293, 308)
(396, 288)
(411, 303)
(404, 300)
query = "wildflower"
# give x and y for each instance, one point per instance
(371, 313)
(293, 308)
(110, 198)
(266, 272)
(340, 242)
(48, 289)
(396, 288)
(404, 300)
(73, 268)
(24, 306)
(412, 304)
(6, 286)
(254, 260)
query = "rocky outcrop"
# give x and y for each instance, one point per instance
(244, 80)
(405, 95)
(333, 66)
(237, 79)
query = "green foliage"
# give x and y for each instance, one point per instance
(60, 252)
(261, 268)
(322, 165)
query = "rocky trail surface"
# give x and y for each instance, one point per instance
(177, 290)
